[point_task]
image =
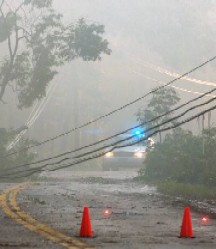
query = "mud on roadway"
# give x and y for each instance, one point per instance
(141, 218)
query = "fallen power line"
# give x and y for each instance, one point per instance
(115, 145)
(120, 133)
(114, 111)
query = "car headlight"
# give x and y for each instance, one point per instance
(109, 154)
(138, 154)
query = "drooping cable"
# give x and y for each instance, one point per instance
(123, 132)
(115, 145)
(114, 111)
(33, 171)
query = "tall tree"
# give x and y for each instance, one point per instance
(181, 158)
(38, 43)
(161, 102)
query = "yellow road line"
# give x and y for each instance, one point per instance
(11, 208)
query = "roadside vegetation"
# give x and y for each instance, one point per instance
(9, 159)
(188, 191)
(181, 163)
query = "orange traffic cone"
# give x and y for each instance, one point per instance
(186, 228)
(86, 229)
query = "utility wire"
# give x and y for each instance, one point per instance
(35, 113)
(114, 111)
(176, 87)
(123, 140)
(120, 133)
(169, 73)
(160, 82)
(134, 143)
(103, 153)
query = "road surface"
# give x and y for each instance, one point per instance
(47, 214)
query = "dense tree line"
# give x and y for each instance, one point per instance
(180, 156)
(184, 158)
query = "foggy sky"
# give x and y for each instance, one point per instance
(138, 32)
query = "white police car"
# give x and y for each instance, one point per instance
(129, 157)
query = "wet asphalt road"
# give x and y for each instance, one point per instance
(141, 218)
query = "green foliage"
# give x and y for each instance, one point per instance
(184, 158)
(38, 43)
(88, 41)
(39, 3)
(198, 192)
(3, 30)
(23, 157)
(161, 102)
(209, 156)
(7, 24)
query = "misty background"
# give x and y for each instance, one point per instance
(174, 35)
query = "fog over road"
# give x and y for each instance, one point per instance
(141, 218)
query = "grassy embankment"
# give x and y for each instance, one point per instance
(185, 190)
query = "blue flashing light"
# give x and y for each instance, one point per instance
(138, 132)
